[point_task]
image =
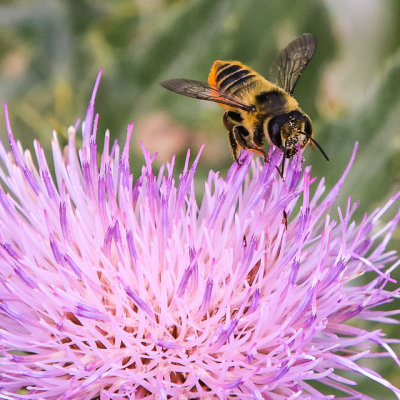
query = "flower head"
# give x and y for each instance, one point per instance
(131, 288)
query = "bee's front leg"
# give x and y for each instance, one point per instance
(239, 136)
(234, 146)
(242, 136)
(231, 120)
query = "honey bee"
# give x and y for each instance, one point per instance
(258, 108)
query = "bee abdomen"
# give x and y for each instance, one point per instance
(225, 70)
(230, 76)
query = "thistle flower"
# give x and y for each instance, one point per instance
(116, 287)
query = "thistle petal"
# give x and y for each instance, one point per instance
(130, 287)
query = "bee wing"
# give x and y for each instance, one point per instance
(202, 91)
(285, 71)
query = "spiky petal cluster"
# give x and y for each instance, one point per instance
(123, 288)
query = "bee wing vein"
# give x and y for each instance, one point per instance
(291, 62)
(202, 91)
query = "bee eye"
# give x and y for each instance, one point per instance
(274, 130)
(308, 127)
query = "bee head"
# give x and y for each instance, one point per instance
(290, 130)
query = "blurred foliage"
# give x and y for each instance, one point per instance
(51, 51)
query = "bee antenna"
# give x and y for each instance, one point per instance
(316, 143)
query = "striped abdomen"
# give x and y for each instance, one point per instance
(231, 76)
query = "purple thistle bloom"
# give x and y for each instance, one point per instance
(124, 288)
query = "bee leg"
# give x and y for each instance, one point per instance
(258, 140)
(230, 121)
(234, 147)
(281, 171)
(241, 135)
(261, 152)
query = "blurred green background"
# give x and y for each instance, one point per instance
(51, 51)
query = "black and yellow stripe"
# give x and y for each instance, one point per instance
(230, 76)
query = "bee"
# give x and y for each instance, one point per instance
(257, 108)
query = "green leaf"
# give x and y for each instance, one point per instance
(375, 124)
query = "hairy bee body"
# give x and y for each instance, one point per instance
(245, 83)
(248, 129)
(256, 107)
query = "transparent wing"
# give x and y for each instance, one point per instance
(202, 91)
(285, 71)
